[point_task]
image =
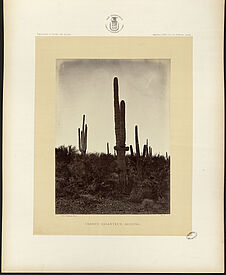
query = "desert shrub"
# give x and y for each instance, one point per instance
(65, 154)
(96, 174)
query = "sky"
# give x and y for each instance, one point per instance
(85, 86)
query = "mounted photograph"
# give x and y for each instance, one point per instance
(112, 152)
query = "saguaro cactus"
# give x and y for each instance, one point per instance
(108, 152)
(120, 134)
(145, 150)
(150, 151)
(137, 142)
(82, 137)
(131, 150)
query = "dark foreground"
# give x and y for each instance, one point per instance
(88, 184)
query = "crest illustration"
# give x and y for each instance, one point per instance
(114, 23)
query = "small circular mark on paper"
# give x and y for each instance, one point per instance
(191, 235)
(114, 23)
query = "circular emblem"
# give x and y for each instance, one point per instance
(114, 23)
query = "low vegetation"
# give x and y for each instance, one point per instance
(89, 184)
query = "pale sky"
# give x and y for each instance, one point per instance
(85, 86)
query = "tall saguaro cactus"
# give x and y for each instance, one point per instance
(120, 134)
(82, 137)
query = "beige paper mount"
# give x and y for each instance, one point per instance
(179, 51)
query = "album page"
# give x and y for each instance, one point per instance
(113, 136)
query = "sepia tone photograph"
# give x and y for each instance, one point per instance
(112, 152)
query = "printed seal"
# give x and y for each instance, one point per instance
(114, 23)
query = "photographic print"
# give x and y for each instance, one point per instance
(112, 152)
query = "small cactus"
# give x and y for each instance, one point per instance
(82, 137)
(150, 151)
(108, 152)
(145, 150)
(137, 142)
